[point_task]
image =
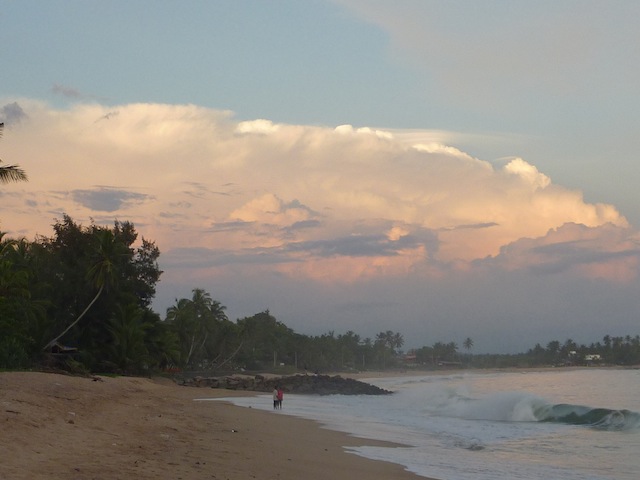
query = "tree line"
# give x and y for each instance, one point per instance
(81, 300)
(83, 297)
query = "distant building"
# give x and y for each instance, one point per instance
(410, 358)
(592, 357)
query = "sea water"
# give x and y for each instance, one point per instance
(555, 424)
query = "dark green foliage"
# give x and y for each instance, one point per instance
(69, 290)
(13, 352)
(200, 326)
(265, 341)
(21, 311)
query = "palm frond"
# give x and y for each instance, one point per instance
(12, 173)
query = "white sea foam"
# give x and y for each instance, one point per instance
(485, 426)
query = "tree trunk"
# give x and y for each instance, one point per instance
(52, 342)
(232, 355)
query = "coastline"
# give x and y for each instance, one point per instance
(117, 428)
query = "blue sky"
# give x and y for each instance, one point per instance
(360, 155)
(553, 82)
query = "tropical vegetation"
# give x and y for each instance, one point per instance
(81, 300)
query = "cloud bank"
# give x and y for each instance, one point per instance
(308, 205)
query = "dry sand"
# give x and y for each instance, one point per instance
(59, 426)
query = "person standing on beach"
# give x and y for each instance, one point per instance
(276, 402)
(280, 397)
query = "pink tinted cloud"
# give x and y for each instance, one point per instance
(325, 203)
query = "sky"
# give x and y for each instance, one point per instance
(440, 169)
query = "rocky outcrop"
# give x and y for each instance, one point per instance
(307, 384)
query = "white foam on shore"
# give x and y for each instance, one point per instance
(476, 427)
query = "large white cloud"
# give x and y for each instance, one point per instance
(329, 203)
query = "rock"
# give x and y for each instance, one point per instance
(307, 384)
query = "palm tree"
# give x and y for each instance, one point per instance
(398, 341)
(128, 329)
(204, 317)
(21, 312)
(195, 321)
(101, 274)
(11, 173)
(607, 345)
(452, 350)
(181, 318)
(553, 348)
(468, 345)
(13, 282)
(388, 342)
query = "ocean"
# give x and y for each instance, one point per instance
(554, 424)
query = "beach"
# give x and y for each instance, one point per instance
(104, 428)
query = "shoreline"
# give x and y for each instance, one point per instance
(361, 375)
(117, 428)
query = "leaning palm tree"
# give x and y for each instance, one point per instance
(101, 274)
(11, 173)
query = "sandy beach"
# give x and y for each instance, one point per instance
(103, 428)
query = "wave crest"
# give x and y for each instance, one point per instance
(600, 418)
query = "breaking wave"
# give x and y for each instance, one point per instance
(521, 407)
(600, 418)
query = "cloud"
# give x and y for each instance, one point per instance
(311, 221)
(65, 91)
(352, 246)
(107, 199)
(528, 173)
(329, 204)
(199, 258)
(607, 252)
(271, 210)
(11, 113)
(488, 55)
(68, 92)
(260, 126)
